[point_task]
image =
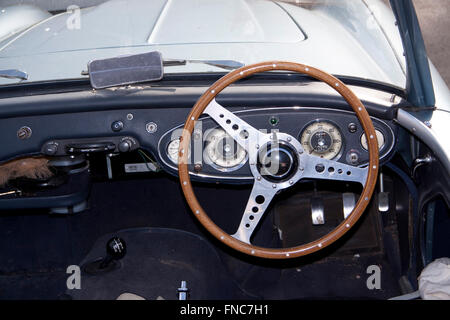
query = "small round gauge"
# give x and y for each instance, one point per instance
(322, 139)
(223, 152)
(172, 150)
(380, 139)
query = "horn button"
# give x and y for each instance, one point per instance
(277, 162)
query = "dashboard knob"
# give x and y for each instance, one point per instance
(353, 157)
(51, 148)
(117, 126)
(352, 127)
(125, 145)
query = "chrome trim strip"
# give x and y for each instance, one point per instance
(13, 74)
(420, 130)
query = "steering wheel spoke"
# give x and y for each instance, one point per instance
(319, 168)
(244, 134)
(257, 204)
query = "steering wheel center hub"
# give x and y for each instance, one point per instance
(277, 161)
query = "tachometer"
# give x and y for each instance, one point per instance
(222, 152)
(322, 139)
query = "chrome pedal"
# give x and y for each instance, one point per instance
(348, 203)
(317, 214)
(383, 197)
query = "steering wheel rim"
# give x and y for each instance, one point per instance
(278, 253)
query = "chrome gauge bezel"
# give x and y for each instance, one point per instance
(335, 125)
(212, 163)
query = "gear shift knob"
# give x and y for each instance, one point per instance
(116, 249)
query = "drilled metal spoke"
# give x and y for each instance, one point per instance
(244, 134)
(319, 168)
(259, 200)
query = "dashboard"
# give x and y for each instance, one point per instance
(326, 132)
(121, 121)
(101, 134)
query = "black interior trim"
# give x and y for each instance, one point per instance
(185, 79)
(86, 101)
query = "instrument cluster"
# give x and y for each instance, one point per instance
(326, 133)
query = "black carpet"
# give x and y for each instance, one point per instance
(156, 262)
(37, 248)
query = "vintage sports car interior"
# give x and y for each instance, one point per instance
(171, 156)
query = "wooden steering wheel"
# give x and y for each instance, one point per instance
(277, 161)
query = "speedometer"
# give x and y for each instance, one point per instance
(223, 152)
(322, 139)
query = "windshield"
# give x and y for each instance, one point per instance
(355, 38)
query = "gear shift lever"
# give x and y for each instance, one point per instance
(116, 249)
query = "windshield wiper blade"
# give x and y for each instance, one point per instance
(224, 64)
(13, 74)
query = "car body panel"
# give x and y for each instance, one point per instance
(313, 37)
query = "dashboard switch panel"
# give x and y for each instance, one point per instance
(89, 145)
